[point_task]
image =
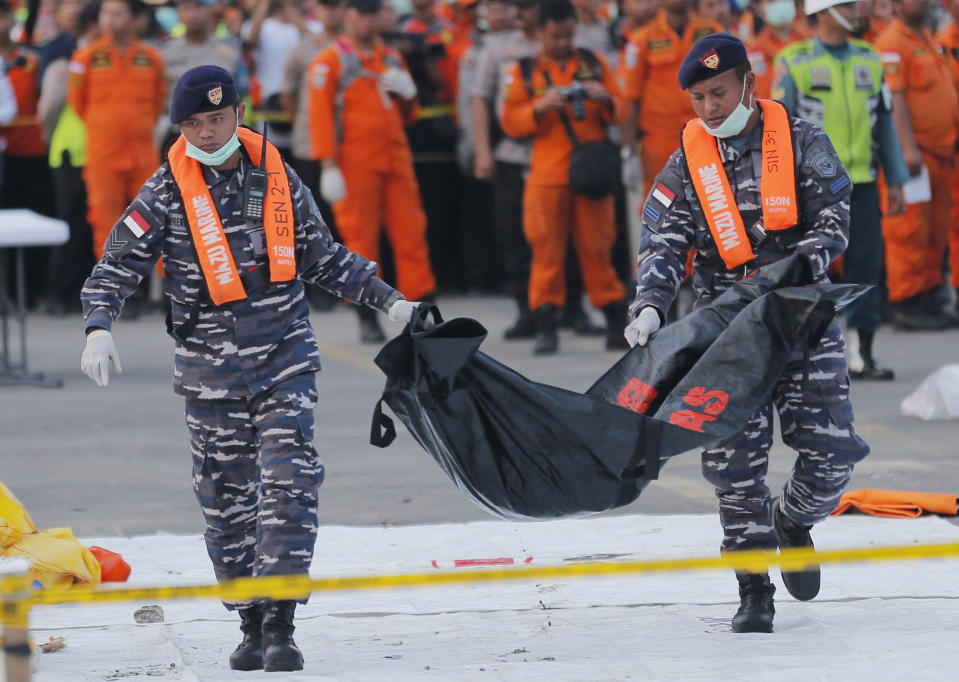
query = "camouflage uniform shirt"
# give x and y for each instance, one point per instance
(671, 229)
(244, 347)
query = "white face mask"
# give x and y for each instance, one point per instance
(218, 157)
(736, 121)
(780, 13)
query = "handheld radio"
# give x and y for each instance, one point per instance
(254, 189)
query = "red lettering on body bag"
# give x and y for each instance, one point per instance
(216, 261)
(777, 183)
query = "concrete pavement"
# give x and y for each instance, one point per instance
(115, 461)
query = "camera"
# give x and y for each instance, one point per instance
(575, 94)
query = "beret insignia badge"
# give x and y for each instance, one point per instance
(215, 95)
(710, 60)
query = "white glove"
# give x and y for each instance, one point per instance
(644, 326)
(402, 311)
(97, 356)
(398, 81)
(332, 185)
(632, 173)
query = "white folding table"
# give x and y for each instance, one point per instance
(20, 228)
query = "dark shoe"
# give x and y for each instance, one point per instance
(931, 305)
(756, 608)
(615, 314)
(279, 649)
(576, 318)
(804, 584)
(524, 327)
(909, 315)
(872, 371)
(249, 654)
(862, 364)
(546, 322)
(370, 330)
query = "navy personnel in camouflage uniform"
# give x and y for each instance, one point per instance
(245, 356)
(802, 208)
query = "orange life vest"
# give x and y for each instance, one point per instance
(216, 260)
(777, 184)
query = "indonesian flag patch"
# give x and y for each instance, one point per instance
(663, 194)
(137, 224)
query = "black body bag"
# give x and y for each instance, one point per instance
(525, 450)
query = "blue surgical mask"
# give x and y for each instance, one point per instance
(736, 121)
(780, 13)
(218, 157)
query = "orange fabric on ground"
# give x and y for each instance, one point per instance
(916, 239)
(762, 49)
(23, 134)
(897, 503)
(949, 39)
(549, 161)
(119, 97)
(913, 66)
(552, 214)
(375, 160)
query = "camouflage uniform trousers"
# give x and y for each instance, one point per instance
(817, 422)
(256, 476)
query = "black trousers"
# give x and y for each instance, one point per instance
(70, 263)
(862, 260)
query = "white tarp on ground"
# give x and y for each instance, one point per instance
(889, 621)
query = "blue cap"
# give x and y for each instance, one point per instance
(710, 56)
(202, 88)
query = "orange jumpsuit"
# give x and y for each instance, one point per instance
(949, 39)
(551, 211)
(119, 97)
(650, 75)
(23, 134)
(916, 240)
(361, 126)
(761, 51)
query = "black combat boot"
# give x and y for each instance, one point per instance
(911, 314)
(575, 317)
(249, 654)
(525, 325)
(866, 367)
(615, 324)
(279, 649)
(370, 330)
(756, 609)
(804, 584)
(546, 321)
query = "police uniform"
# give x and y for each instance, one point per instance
(246, 367)
(841, 88)
(812, 394)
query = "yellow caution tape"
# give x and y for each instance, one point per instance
(294, 587)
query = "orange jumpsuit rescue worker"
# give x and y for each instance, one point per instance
(561, 92)
(118, 89)
(360, 96)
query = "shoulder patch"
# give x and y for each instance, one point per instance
(821, 161)
(135, 226)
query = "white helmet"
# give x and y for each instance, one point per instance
(816, 6)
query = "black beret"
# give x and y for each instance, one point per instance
(202, 88)
(710, 56)
(366, 6)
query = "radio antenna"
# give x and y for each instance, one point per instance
(263, 151)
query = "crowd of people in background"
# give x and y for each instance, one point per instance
(436, 135)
